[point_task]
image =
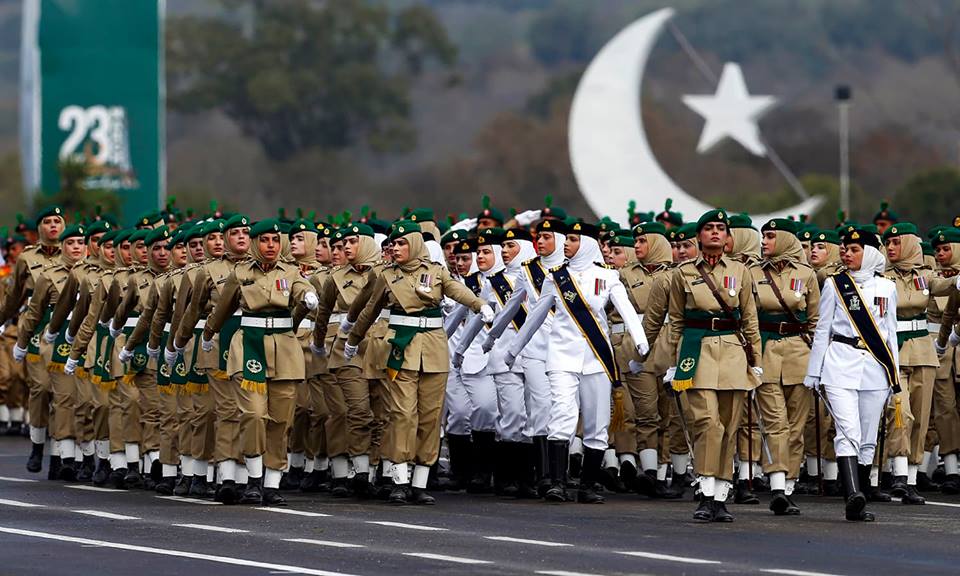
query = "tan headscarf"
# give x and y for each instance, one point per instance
(368, 253)
(286, 254)
(911, 254)
(431, 227)
(954, 263)
(104, 262)
(746, 242)
(418, 252)
(659, 251)
(310, 240)
(156, 268)
(787, 249)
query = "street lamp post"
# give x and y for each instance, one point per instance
(842, 96)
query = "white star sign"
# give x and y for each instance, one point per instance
(731, 112)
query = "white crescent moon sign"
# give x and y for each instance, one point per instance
(611, 157)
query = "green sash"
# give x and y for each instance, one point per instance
(230, 327)
(801, 315)
(254, 353)
(865, 325)
(61, 351)
(577, 306)
(504, 291)
(140, 359)
(903, 337)
(101, 371)
(33, 348)
(403, 335)
(689, 354)
(196, 377)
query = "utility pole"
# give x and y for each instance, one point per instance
(842, 95)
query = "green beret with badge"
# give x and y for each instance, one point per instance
(303, 225)
(946, 236)
(356, 229)
(649, 228)
(453, 236)
(109, 236)
(98, 227)
(402, 228)
(717, 215)
(238, 221)
(900, 229)
(270, 225)
(686, 232)
(161, 234)
(47, 212)
(139, 235)
(784, 224)
(740, 221)
(74, 231)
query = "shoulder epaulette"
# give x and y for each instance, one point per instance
(557, 268)
(602, 265)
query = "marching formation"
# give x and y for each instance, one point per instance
(553, 358)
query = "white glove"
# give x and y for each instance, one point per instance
(71, 366)
(311, 300)
(349, 351)
(636, 367)
(643, 349)
(527, 217)
(447, 305)
(50, 338)
(3, 328)
(486, 313)
(19, 354)
(320, 351)
(114, 333)
(671, 372)
(125, 355)
(941, 350)
(69, 337)
(153, 352)
(811, 382)
(958, 282)
(757, 371)
(458, 360)
(169, 357)
(346, 325)
(954, 339)
(468, 224)
(207, 345)
(509, 359)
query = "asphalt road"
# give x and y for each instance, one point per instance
(57, 528)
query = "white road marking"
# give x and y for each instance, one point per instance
(11, 479)
(324, 543)
(293, 512)
(94, 488)
(564, 573)
(190, 500)
(109, 515)
(19, 504)
(408, 526)
(948, 504)
(444, 558)
(177, 553)
(210, 528)
(786, 572)
(669, 558)
(526, 541)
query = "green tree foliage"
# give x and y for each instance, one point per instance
(930, 198)
(75, 197)
(298, 74)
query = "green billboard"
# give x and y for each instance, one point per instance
(93, 92)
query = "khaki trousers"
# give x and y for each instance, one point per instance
(799, 401)
(265, 420)
(13, 387)
(672, 440)
(124, 415)
(84, 412)
(149, 404)
(63, 423)
(38, 384)
(335, 426)
(378, 404)
(226, 426)
(168, 425)
(202, 424)
(645, 390)
(315, 440)
(301, 420)
(946, 414)
(715, 415)
(773, 411)
(101, 411)
(414, 403)
(359, 416)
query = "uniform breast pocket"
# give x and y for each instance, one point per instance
(254, 295)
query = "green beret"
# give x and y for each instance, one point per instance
(357, 229)
(885, 213)
(285, 226)
(686, 232)
(178, 237)
(716, 215)
(490, 212)
(150, 219)
(15, 239)
(453, 236)
(137, 235)
(946, 236)
(324, 229)
(675, 218)
(828, 236)
(236, 221)
(122, 236)
(402, 228)
(649, 228)
(161, 234)
(212, 227)
(303, 225)
(262, 227)
(584, 229)
(191, 232)
(740, 221)
(109, 236)
(421, 215)
(465, 246)
(607, 225)
(861, 237)
(900, 229)
(98, 227)
(49, 211)
(777, 224)
(621, 240)
(518, 234)
(555, 226)
(933, 232)
(553, 212)
(379, 226)
(73, 232)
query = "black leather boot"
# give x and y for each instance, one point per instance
(35, 461)
(743, 495)
(253, 494)
(200, 488)
(592, 463)
(925, 484)
(542, 464)
(483, 459)
(53, 468)
(102, 474)
(705, 511)
(116, 478)
(68, 469)
(558, 453)
(911, 496)
(526, 471)
(292, 479)
(899, 487)
(165, 486)
(950, 484)
(228, 493)
(87, 467)
(851, 475)
(421, 497)
(272, 497)
(460, 448)
(133, 479)
(399, 495)
(312, 481)
(779, 504)
(183, 485)
(505, 480)
(720, 512)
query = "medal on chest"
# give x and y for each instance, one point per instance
(920, 283)
(599, 285)
(730, 284)
(797, 286)
(425, 284)
(283, 287)
(881, 303)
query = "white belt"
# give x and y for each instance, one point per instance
(618, 328)
(911, 325)
(131, 322)
(306, 324)
(933, 327)
(384, 315)
(337, 318)
(416, 321)
(253, 322)
(201, 324)
(166, 327)
(238, 313)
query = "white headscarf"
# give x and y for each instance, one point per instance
(874, 263)
(556, 258)
(527, 252)
(497, 261)
(587, 255)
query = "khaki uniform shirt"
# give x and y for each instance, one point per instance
(199, 298)
(30, 265)
(46, 293)
(911, 303)
(341, 287)
(655, 318)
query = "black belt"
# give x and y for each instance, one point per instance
(850, 341)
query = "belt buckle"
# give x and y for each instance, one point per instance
(713, 324)
(780, 329)
(422, 322)
(268, 322)
(861, 345)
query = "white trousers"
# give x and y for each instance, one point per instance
(857, 419)
(512, 413)
(586, 396)
(482, 391)
(457, 405)
(536, 397)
